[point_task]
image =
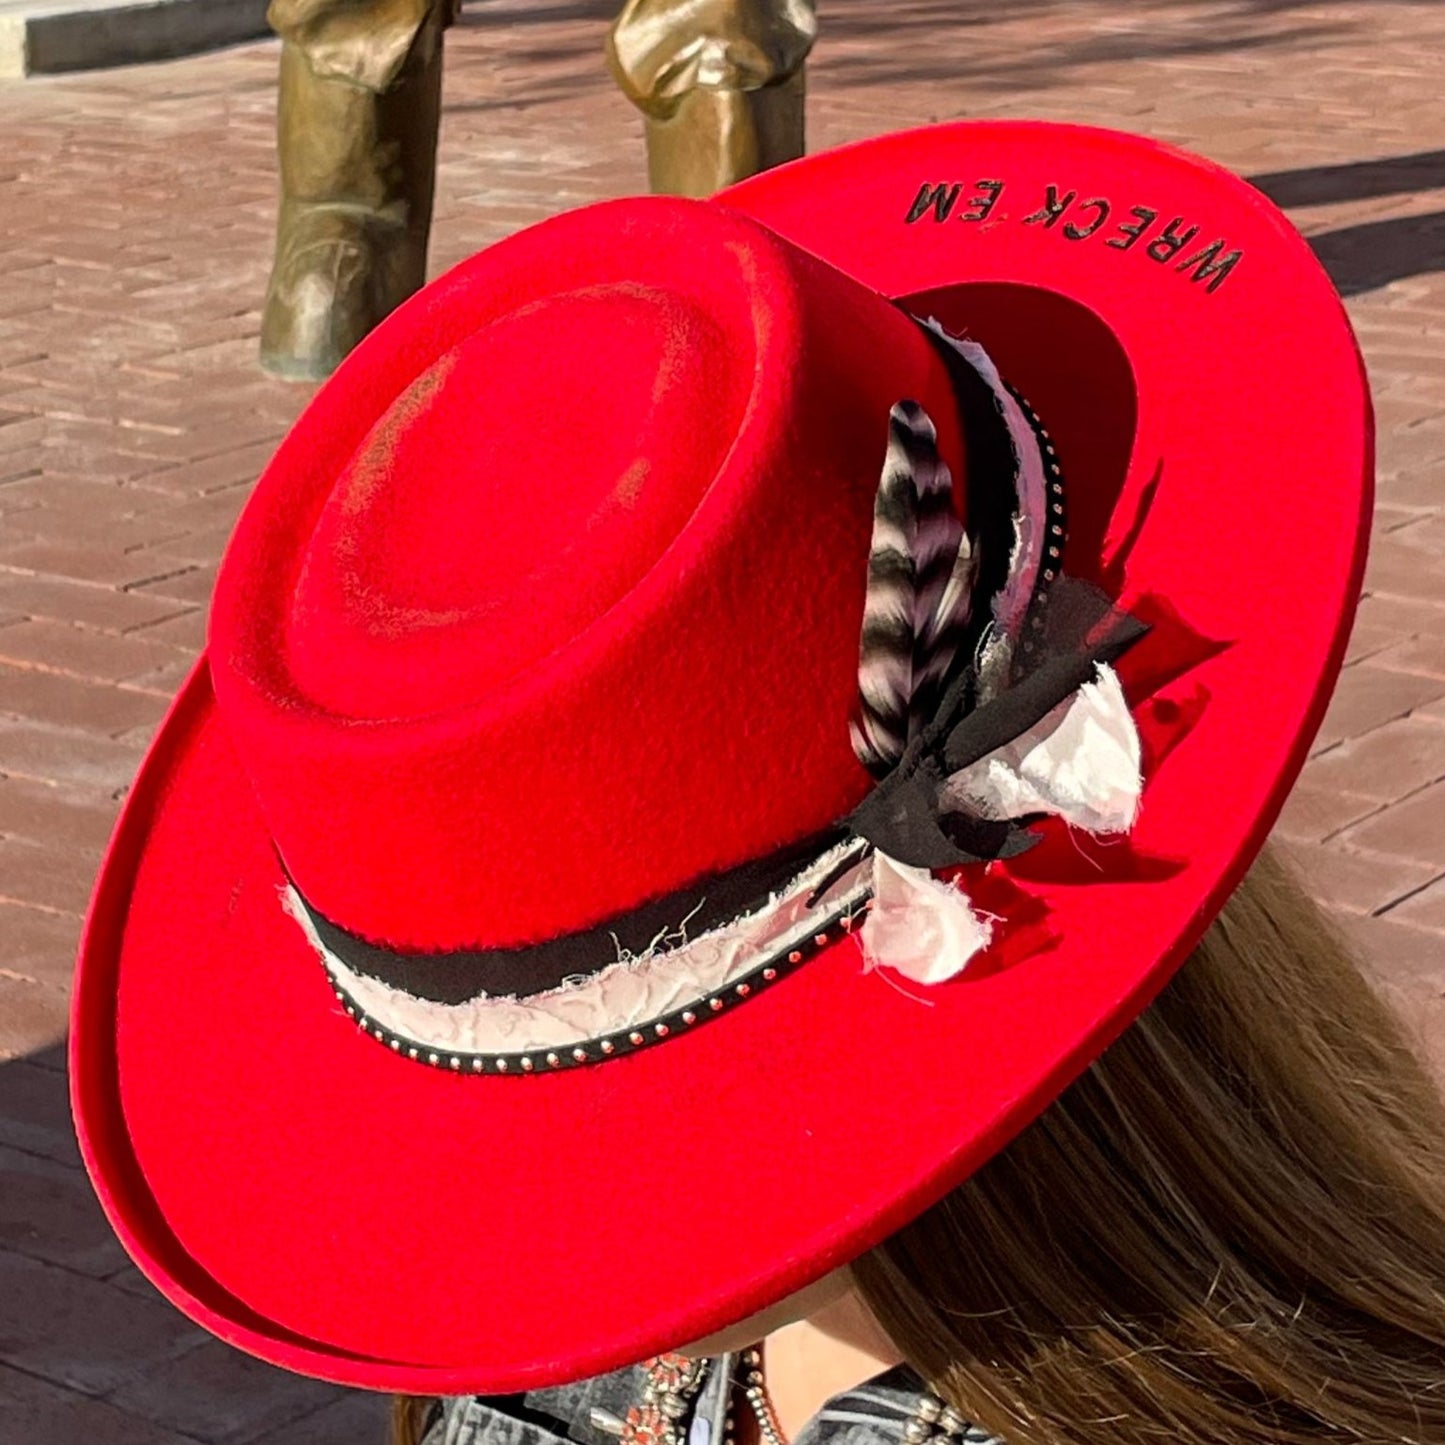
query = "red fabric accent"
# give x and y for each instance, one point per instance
(344, 1212)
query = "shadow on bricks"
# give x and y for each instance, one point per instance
(88, 1349)
(1369, 254)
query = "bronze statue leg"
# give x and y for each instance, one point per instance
(360, 97)
(719, 82)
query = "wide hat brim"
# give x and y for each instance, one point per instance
(324, 1205)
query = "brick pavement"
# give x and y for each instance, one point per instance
(133, 247)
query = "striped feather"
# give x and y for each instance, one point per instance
(920, 570)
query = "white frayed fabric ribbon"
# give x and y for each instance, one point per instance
(1080, 763)
(920, 926)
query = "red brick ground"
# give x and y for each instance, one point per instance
(134, 240)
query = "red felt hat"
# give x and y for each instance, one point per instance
(662, 642)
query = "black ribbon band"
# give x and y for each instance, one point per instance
(991, 495)
(458, 975)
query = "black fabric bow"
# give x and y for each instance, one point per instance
(1073, 628)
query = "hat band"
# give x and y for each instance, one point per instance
(680, 978)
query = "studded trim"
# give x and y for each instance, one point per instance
(1055, 525)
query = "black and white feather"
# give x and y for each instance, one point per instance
(920, 585)
(986, 695)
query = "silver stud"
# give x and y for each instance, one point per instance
(770, 974)
(635, 1038)
(1053, 551)
(380, 1033)
(661, 1030)
(820, 939)
(608, 1046)
(350, 1012)
(502, 1066)
(915, 1432)
(689, 1017)
(456, 1062)
(431, 1058)
(715, 1004)
(930, 1407)
(411, 1053)
(795, 956)
(396, 1044)
(527, 1064)
(742, 990)
(580, 1055)
(553, 1060)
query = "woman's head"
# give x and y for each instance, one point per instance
(1231, 1228)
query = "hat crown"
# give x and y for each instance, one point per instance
(511, 495)
(550, 603)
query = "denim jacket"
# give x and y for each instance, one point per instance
(873, 1413)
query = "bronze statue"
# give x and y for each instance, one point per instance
(719, 82)
(360, 97)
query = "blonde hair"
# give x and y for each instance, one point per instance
(1229, 1231)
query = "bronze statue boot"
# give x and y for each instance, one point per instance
(719, 83)
(358, 170)
(716, 137)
